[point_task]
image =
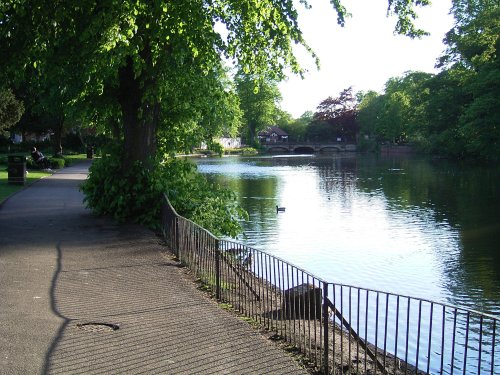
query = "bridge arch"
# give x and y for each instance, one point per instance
(303, 150)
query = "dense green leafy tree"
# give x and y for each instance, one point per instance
(446, 103)
(405, 107)
(455, 112)
(480, 120)
(213, 109)
(319, 131)
(149, 72)
(140, 53)
(283, 118)
(399, 115)
(473, 41)
(41, 37)
(259, 103)
(297, 128)
(473, 48)
(31, 120)
(465, 11)
(140, 56)
(370, 106)
(11, 110)
(406, 15)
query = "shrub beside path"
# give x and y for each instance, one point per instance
(83, 295)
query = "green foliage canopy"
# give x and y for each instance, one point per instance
(134, 64)
(455, 112)
(11, 109)
(259, 102)
(151, 72)
(370, 106)
(297, 128)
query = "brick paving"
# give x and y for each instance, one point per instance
(81, 294)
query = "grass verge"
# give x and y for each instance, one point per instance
(72, 159)
(7, 189)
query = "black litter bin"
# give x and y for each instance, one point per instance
(16, 168)
(90, 152)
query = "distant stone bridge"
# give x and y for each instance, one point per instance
(308, 148)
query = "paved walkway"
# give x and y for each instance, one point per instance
(62, 268)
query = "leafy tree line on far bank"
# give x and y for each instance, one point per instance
(452, 113)
(455, 112)
(151, 77)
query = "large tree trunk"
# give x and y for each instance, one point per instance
(252, 136)
(116, 130)
(140, 119)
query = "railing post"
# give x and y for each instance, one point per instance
(325, 328)
(177, 238)
(217, 270)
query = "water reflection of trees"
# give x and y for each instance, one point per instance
(337, 179)
(464, 197)
(257, 196)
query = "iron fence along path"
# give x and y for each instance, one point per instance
(341, 329)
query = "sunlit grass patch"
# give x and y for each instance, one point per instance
(75, 158)
(7, 189)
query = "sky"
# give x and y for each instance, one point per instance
(364, 54)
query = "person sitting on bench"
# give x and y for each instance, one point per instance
(39, 159)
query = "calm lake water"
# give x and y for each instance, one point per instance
(407, 225)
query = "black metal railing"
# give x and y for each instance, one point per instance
(339, 328)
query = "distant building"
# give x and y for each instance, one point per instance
(273, 134)
(29, 137)
(226, 142)
(230, 143)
